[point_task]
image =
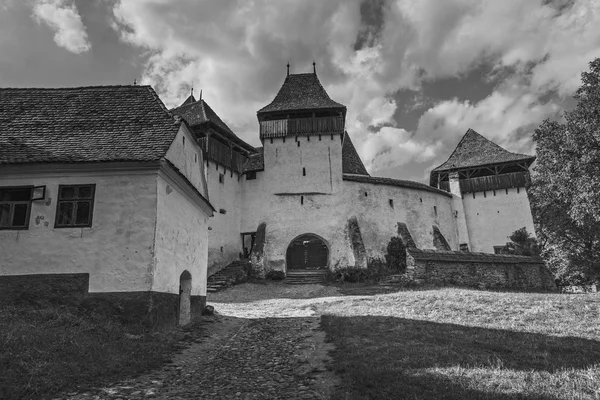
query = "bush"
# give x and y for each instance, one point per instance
(275, 275)
(375, 271)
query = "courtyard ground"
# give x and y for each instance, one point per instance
(276, 341)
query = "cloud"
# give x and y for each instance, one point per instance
(236, 52)
(65, 21)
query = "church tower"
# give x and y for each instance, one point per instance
(302, 131)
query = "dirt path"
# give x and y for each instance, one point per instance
(264, 343)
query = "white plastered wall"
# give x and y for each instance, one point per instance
(116, 250)
(492, 218)
(224, 243)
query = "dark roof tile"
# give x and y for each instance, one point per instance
(256, 161)
(351, 162)
(301, 92)
(84, 124)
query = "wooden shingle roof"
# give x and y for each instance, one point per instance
(301, 92)
(84, 124)
(474, 150)
(351, 162)
(199, 112)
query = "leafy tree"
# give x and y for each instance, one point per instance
(522, 243)
(565, 190)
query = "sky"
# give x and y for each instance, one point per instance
(414, 75)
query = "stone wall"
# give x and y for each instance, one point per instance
(31, 288)
(479, 270)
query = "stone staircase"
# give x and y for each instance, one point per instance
(303, 277)
(236, 272)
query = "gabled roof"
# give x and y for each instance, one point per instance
(474, 150)
(301, 92)
(84, 124)
(351, 162)
(196, 113)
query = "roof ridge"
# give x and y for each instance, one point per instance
(175, 118)
(76, 87)
(456, 148)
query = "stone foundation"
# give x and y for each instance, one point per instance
(478, 270)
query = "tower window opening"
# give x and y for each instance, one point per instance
(221, 178)
(271, 140)
(183, 137)
(195, 157)
(298, 143)
(332, 136)
(303, 171)
(391, 201)
(366, 194)
(301, 200)
(308, 138)
(435, 210)
(421, 199)
(319, 138)
(506, 190)
(484, 193)
(494, 192)
(517, 190)
(284, 139)
(473, 194)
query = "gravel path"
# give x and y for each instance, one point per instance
(265, 343)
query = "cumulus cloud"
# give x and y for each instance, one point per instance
(65, 21)
(236, 52)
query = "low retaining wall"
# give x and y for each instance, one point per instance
(479, 270)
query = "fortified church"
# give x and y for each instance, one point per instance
(105, 191)
(305, 200)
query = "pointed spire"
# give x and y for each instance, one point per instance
(314, 67)
(134, 81)
(192, 91)
(200, 98)
(288, 68)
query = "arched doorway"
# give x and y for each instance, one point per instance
(307, 252)
(185, 293)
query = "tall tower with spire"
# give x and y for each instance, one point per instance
(302, 131)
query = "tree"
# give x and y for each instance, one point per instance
(565, 189)
(522, 243)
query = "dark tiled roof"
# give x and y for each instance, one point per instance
(394, 182)
(475, 150)
(256, 161)
(301, 92)
(464, 256)
(351, 162)
(199, 112)
(85, 124)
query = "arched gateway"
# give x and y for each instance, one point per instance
(307, 251)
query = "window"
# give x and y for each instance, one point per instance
(435, 210)
(250, 175)
(221, 178)
(303, 171)
(464, 247)
(195, 157)
(222, 211)
(391, 201)
(75, 206)
(15, 207)
(366, 194)
(500, 250)
(319, 138)
(301, 199)
(298, 142)
(183, 137)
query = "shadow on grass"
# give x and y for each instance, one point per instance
(390, 358)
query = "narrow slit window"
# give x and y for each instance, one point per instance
(391, 202)
(221, 178)
(298, 142)
(302, 200)
(303, 171)
(183, 137)
(435, 210)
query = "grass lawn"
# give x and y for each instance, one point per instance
(466, 344)
(47, 348)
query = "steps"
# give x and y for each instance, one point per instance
(304, 277)
(235, 272)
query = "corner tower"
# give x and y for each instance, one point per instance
(488, 184)
(302, 131)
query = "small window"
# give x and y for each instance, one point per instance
(435, 210)
(500, 250)
(506, 190)
(75, 206)
(250, 175)
(464, 247)
(494, 192)
(195, 157)
(298, 142)
(301, 199)
(391, 201)
(332, 136)
(15, 207)
(222, 211)
(221, 249)
(183, 137)
(303, 171)
(221, 178)
(284, 139)
(420, 199)
(517, 190)
(308, 138)
(366, 194)
(319, 138)
(484, 193)
(271, 140)
(473, 194)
